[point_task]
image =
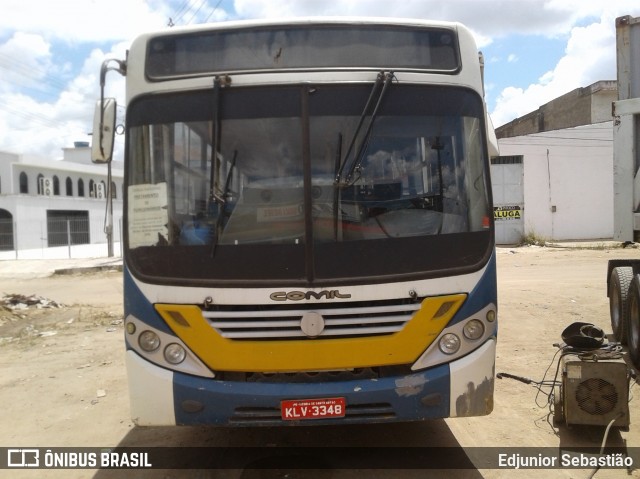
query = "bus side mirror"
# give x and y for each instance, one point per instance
(104, 130)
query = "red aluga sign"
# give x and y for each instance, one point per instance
(297, 409)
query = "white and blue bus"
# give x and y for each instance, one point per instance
(308, 223)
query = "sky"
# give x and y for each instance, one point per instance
(51, 51)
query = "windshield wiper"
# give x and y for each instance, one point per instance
(379, 90)
(336, 190)
(215, 137)
(374, 90)
(222, 204)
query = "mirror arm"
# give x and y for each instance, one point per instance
(120, 68)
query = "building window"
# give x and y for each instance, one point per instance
(114, 194)
(56, 185)
(507, 160)
(69, 186)
(67, 227)
(80, 188)
(24, 183)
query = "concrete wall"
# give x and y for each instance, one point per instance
(601, 105)
(569, 110)
(582, 106)
(568, 181)
(6, 178)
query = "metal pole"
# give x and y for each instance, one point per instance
(109, 226)
(69, 236)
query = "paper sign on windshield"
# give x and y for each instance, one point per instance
(148, 215)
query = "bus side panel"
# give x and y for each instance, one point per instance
(472, 381)
(484, 293)
(150, 392)
(136, 304)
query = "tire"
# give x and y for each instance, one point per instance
(619, 283)
(633, 331)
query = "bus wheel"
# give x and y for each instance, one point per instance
(633, 330)
(618, 298)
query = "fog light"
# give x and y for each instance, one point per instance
(149, 341)
(474, 329)
(131, 328)
(449, 343)
(174, 353)
(491, 315)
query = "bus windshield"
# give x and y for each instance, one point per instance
(267, 205)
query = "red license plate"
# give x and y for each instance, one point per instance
(297, 409)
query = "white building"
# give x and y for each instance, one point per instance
(560, 182)
(49, 206)
(554, 178)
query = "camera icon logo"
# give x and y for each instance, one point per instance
(23, 457)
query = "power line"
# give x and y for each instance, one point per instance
(192, 8)
(213, 11)
(179, 13)
(557, 144)
(536, 136)
(38, 119)
(577, 142)
(181, 9)
(571, 138)
(39, 76)
(202, 4)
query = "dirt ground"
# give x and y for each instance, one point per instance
(63, 384)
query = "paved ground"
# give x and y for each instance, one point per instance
(41, 268)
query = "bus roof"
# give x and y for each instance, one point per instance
(316, 20)
(199, 52)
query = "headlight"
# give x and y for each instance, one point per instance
(174, 353)
(149, 341)
(473, 329)
(131, 327)
(162, 348)
(449, 343)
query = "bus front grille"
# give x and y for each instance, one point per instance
(370, 319)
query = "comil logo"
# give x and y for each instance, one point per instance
(23, 458)
(301, 295)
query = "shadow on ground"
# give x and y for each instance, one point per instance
(405, 450)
